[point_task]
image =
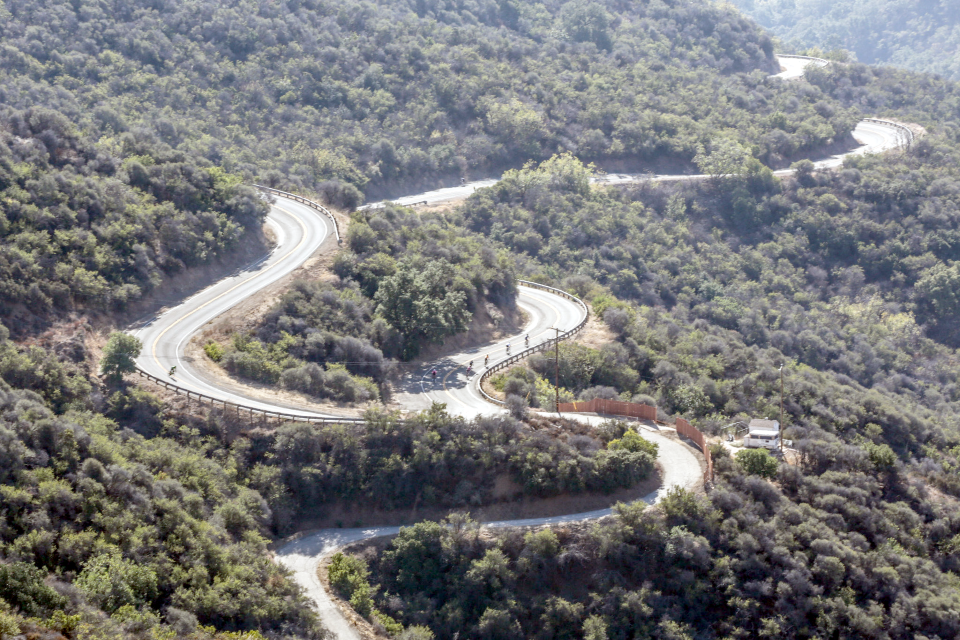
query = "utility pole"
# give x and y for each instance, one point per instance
(556, 378)
(781, 409)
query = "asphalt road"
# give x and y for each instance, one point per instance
(873, 138)
(793, 68)
(299, 231)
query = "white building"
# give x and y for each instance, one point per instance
(762, 433)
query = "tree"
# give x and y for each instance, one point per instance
(725, 158)
(120, 354)
(881, 456)
(22, 586)
(415, 632)
(586, 22)
(938, 290)
(419, 303)
(758, 462)
(112, 582)
(594, 628)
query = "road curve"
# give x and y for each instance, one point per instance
(873, 136)
(303, 556)
(456, 383)
(793, 67)
(300, 230)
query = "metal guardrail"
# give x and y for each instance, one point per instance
(252, 411)
(810, 58)
(503, 364)
(905, 135)
(310, 203)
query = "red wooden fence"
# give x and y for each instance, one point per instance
(613, 407)
(645, 412)
(686, 429)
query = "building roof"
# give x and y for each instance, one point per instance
(763, 425)
(772, 433)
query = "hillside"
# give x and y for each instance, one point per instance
(330, 97)
(922, 36)
(129, 132)
(96, 227)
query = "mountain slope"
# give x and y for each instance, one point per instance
(921, 35)
(391, 95)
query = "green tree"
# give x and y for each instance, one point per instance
(594, 628)
(881, 456)
(120, 354)
(112, 582)
(586, 22)
(939, 289)
(22, 586)
(757, 462)
(724, 158)
(419, 303)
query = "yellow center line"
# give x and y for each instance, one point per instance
(303, 239)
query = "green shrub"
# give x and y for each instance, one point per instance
(112, 582)
(63, 623)
(498, 381)
(347, 574)
(22, 586)
(634, 442)
(392, 627)
(881, 456)
(416, 633)
(213, 350)
(9, 625)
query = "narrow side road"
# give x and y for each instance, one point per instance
(303, 556)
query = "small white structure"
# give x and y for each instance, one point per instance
(762, 433)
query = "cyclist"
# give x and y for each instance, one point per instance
(508, 347)
(173, 369)
(434, 372)
(486, 359)
(527, 339)
(470, 366)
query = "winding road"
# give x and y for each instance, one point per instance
(300, 231)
